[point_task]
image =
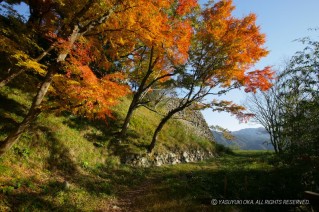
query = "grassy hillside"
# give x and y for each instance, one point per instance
(61, 148)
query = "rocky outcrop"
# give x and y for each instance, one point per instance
(169, 157)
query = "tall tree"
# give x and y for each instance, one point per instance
(222, 51)
(80, 50)
(152, 63)
(69, 34)
(268, 110)
(289, 110)
(300, 98)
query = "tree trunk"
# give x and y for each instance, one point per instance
(10, 77)
(128, 118)
(273, 142)
(34, 111)
(161, 125)
(137, 96)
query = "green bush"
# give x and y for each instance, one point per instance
(221, 149)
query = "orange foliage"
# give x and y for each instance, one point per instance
(80, 91)
(236, 44)
(88, 95)
(232, 108)
(167, 36)
(147, 23)
(259, 79)
(138, 29)
(133, 23)
(185, 6)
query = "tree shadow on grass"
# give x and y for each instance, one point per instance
(10, 113)
(34, 201)
(63, 168)
(26, 82)
(8, 109)
(106, 134)
(63, 163)
(11, 106)
(96, 131)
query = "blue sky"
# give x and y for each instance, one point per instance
(283, 22)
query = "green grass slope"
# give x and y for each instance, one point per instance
(62, 148)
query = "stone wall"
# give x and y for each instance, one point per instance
(169, 157)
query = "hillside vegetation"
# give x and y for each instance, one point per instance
(61, 184)
(63, 147)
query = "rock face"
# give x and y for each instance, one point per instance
(170, 157)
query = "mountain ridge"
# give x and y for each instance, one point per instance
(246, 139)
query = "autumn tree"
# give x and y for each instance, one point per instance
(20, 49)
(63, 38)
(223, 50)
(152, 63)
(78, 54)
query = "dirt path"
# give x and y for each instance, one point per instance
(129, 196)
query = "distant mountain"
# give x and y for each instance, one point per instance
(246, 139)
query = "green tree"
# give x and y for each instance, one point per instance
(289, 110)
(268, 110)
(300, 98)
